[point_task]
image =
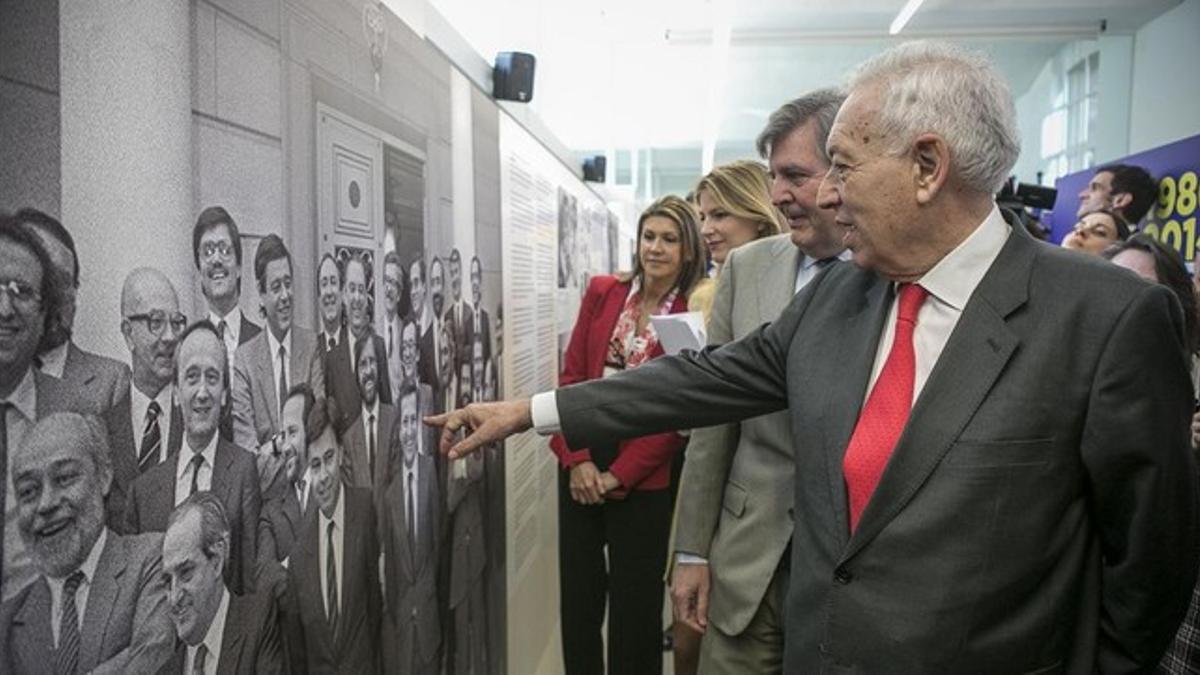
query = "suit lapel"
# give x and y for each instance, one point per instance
(849, 372)
(103, 597)
(777, 281)
(614, 301)
(32, 639)
(222, 466)
(264, 371)
(232, 639)
(975, 355)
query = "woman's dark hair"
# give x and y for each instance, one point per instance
(1171, 272)
(684, 216)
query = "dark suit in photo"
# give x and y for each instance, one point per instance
(125, 626)
(250, 644)
(356, 466)
(468, 558)
(355, 647)
(342, 384)
(413, 624)
(124, 445)
(1039, 511)
(278, 529)
(99, 379)
(234, 481)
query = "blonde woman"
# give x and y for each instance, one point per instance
(735, 207)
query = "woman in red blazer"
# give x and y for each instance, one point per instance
(618, 497)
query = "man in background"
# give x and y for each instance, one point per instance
(393, 288)
(341, 382)
(217, 252)
(329, 303)
(368, 438)
(1127, 189)
(271, 363)
(206, 462)
(422, 316)
(730, 577)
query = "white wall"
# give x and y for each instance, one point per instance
(1165, 103)
(1112, 122)
(1147, 89)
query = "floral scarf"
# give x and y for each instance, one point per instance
(627, 348)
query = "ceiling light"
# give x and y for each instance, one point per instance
(906, 13)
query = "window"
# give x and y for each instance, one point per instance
(1069, 130)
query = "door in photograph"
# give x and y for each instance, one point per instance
(350, 196)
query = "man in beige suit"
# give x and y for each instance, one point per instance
(271, 363)
(731, 571)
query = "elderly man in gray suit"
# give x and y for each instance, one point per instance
(992, 463)
(270, 363)
(99, 602)
(219, 632)
(731, 573)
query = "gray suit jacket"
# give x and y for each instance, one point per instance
(255, 391)
(126, 627)
(355, 465)
(1039, 512)
(234, 482)
(735, 496)
(101, 380)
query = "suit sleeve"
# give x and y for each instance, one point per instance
(270, 576)
(710, 450)
(717, 385)
(1142, 475)
(269, 658)
(251, 511)
(153, 638)
(575, 368)
(244, 434)
(316, 370)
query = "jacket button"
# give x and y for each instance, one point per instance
(842, 575)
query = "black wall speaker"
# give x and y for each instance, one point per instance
(593, 168)
(512, 77)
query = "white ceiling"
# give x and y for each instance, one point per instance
(608, 75)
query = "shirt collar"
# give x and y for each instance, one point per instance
(339, 513)
(954, 278)
(185, 456)
(24, 397)
(807, 261)
(233, 322)
(273, 344)
(90, 563)
(139, 402)
(54, 361)
(372, 409)
(216, 629)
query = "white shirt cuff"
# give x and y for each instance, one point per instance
(689, 559)
(543, 408)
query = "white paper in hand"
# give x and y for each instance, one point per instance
(677, 332)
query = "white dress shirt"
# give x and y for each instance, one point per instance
(138, 403)
(17, 565)
(326, 336)
(233, 330)
(807, 269)
(415, 472)
(183, 470)
(339, 537)
(81, 594)
(212, 640)
(950, 284)
(369, 429)
(273, 346)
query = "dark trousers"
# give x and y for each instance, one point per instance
(635, 531)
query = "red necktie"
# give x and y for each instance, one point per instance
(886, 411)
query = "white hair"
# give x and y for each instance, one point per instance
(931, 87)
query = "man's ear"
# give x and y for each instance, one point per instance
(1120, 200)
(931, 166)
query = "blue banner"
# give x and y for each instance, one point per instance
(1172, 219)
